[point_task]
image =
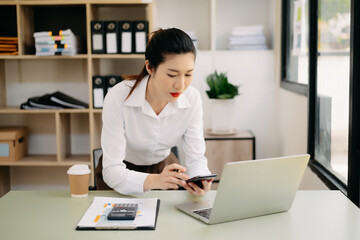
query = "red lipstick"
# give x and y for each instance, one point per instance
(176, 94)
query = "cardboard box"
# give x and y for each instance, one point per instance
(13, 143)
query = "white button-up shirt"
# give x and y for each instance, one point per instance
(132, 131)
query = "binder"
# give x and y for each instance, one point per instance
(125, 37)
(140, 32)
(98, 42)
(66, 101)
(98, 91)
(56, 100)
(111, 81)
(111, 29)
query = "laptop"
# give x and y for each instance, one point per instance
(250, 189)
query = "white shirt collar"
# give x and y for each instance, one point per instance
(137, 99)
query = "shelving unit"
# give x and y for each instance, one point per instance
(59, 138)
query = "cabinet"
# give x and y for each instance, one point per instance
(221, 149)
(59, 138)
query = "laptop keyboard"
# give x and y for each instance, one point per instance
(203, 212)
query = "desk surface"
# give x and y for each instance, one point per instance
(54, 215)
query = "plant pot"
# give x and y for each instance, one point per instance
(222, 113)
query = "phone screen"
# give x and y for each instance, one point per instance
(198, 179)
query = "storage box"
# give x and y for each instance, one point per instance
(13, 143)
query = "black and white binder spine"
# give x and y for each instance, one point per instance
(112, 36)
(98, 91)
(125, 30)
(111, 81)
(140, 34)
(98, 43)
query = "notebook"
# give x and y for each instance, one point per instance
(250, 189)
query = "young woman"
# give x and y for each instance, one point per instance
(145, 116)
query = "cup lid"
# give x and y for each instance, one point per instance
(79, 169)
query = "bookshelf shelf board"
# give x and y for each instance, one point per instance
(77, 2)
(75, 159)
(48, 160)
(33, 160)
(118, 56)
(30, 56)
(97, 110)
(15, 109)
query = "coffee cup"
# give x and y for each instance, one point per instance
(79, 180)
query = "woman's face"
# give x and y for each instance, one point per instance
(173, 76)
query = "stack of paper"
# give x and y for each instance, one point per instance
(192, 35)
(47, 44)
(8, 45)
(247, 38)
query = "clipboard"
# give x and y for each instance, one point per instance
(95, 218)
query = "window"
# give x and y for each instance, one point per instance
(333, 79)
(295, 49)
(333, 86)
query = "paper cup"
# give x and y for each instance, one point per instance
(79, 180)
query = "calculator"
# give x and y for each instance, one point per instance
(123, 211)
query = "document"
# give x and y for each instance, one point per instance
(95, 218)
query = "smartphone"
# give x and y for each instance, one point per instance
(198, 179)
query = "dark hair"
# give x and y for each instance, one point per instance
(163, 42)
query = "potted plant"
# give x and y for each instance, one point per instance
(222, 103)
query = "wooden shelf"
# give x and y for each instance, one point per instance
(48, 161)
(25, 57)
(117, 56)
(16, 110)
(97, 110)
(77, 2)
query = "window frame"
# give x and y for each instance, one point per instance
(352, 188)
(285, 83)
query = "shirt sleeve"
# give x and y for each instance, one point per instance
(113, 143)
(194, 143)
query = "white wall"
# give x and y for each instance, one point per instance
(254, 72)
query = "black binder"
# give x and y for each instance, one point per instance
(98, 43)
(67, 101)
(56, 100)
(112, 81)
(98, 91)
(111, 33)
(140, 33)
(42, 102)
(125, 37)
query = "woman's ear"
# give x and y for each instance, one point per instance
(149, 68)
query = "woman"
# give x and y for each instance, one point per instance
(147, 115)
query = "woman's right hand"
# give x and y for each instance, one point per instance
(170, 177)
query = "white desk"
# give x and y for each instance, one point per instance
(323, 215)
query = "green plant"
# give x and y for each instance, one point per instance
(220, 88)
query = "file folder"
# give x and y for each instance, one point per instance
(98, 43)
(111, 81)
(111, 36)
(140, 36)
(98, 91)
(125, 31)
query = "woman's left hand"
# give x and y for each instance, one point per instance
(196, 190)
